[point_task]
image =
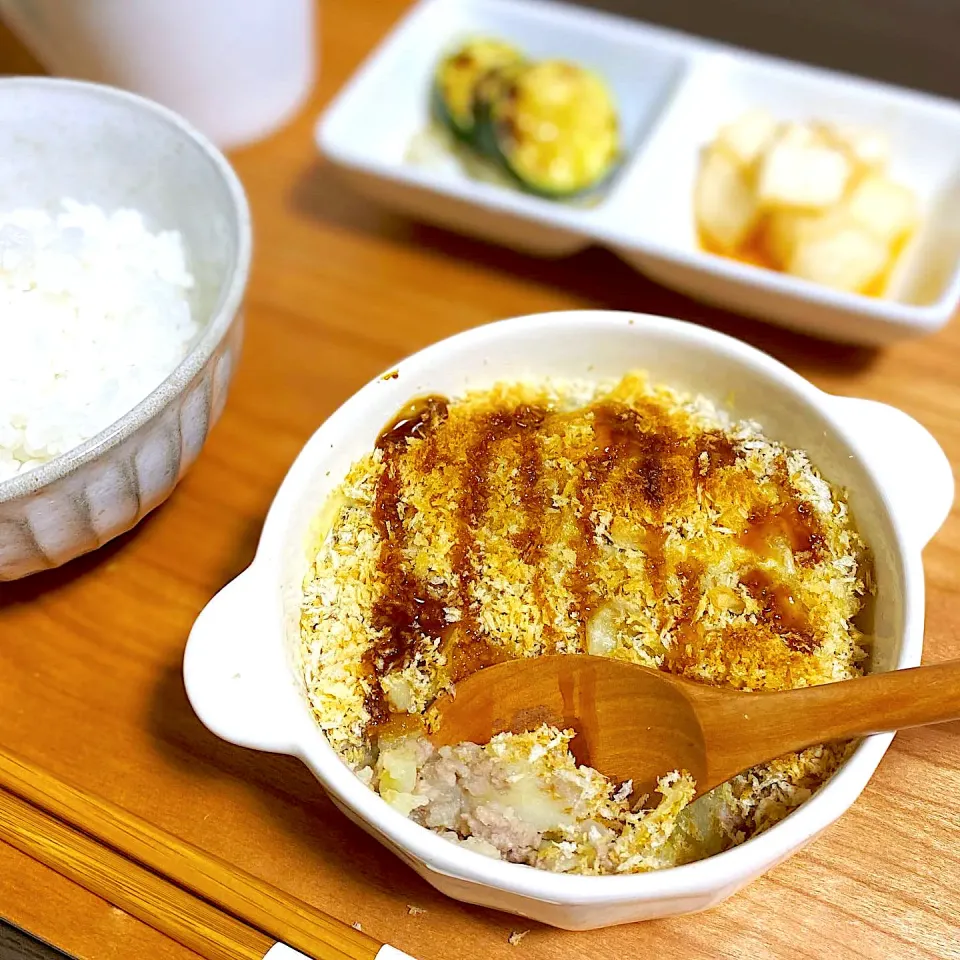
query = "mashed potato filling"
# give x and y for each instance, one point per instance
(618, 519)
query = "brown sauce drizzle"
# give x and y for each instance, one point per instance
(658, 568)
(636, 462)
(611, 435)
(493, 428)
(532, 497)
(405, 612)
(375, 703)
(413, 422)
(531, 539)
(688, 573)
(471, 651)
(406, 615)
(648, 468)
(781, 611)
(718, 447)
(794, 521)
(580, 583)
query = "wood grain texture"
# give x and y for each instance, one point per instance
(147, 896)
(148, 849)
(90, 655)
(85, 926)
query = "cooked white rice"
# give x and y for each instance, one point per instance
(94, 314)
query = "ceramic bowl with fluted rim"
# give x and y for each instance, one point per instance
(240, 666)
(96, 144)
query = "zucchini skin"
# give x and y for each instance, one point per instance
(494, 85)
(455, 80)
(504, 114)
(443, 116)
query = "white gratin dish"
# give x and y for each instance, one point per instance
(673, 92)
(239, 665)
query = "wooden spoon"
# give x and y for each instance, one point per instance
(636, 723)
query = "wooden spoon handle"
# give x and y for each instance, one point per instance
(768, 725)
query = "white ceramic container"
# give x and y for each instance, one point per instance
(674, 92)
(239, 666)
(236, 69)
(62, 138)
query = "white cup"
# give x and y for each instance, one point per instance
(237, 69)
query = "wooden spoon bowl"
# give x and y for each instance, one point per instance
(636, 723)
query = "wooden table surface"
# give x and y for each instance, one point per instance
(90, 655)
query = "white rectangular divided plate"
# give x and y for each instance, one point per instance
(673, 93)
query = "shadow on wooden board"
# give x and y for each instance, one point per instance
(17, 944)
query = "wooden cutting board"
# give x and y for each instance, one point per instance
(90, 654)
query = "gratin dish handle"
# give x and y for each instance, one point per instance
(236, 688)
(915, 472)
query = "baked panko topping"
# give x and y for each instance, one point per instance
(623, 520)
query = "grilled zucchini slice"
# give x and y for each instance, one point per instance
(553, 125)
(494, 86)
(457, 76)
